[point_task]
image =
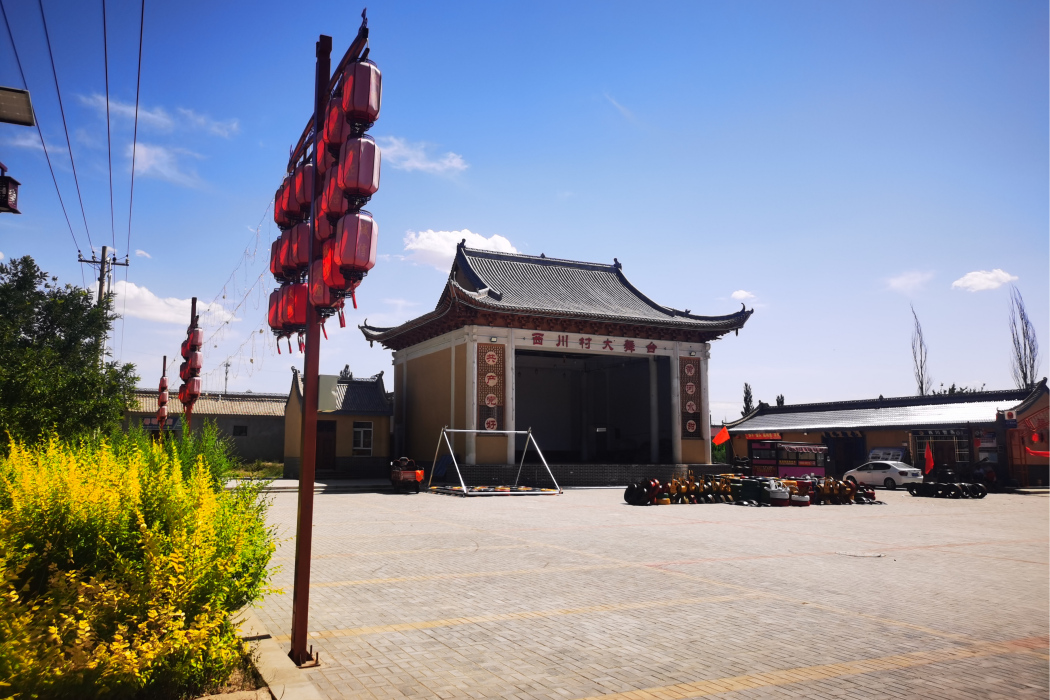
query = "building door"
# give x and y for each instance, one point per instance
(845, 453)
(325, 445)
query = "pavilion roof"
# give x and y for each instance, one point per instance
(487, 283)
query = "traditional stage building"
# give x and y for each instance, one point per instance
(572, 350)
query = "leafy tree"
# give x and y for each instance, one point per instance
(51, 370)
(749, 400)
(780, 399)
(958, 389)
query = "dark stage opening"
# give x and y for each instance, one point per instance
(593, 409)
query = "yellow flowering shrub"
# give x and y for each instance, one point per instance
(119, 571)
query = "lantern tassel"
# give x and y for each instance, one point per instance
(289, 345)
(278, 346)
(342, 318)
(353, 297)
(324, 331)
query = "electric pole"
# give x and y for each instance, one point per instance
(226, 382)
(105, 270)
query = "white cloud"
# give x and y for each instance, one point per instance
(627, 114)
(1, 256)
(400, 154)
(31, 140)
(163, 163)
(224, 129)
(983, 280)
(139, 302)
(142, 254)
(909, 282)
(741, 295)
(159, 118)
(438, 248)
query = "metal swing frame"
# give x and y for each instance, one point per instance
(443, 437)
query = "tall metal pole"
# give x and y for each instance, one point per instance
(299, 653)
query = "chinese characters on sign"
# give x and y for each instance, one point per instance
(491, 373)
(688, 375)
(587, 342)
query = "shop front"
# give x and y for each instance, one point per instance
(999, 435)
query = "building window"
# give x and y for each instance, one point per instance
(362, 438)
(240, 431)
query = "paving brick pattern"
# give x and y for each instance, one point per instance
(582, 596)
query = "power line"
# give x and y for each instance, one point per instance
(109, 136)
(18, 61)
(134, 150)
(65, 127)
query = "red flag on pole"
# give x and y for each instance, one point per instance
(929, 459)
(723, 436)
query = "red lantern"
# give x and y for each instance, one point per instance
(328, 158)
(195, 337)
(280, 215)
(333, 199)
(164, 388)
(294, 316)
(189, 391)
(359, 168)
(273, 312)
(162, 415)
(321, 295)
(329, 270)
(324, 228)
(286, 255)
(162, 398)
(276, 268)
(362, 93)
(304, 185)
(335, 127)
(356, 236)
(299, 246)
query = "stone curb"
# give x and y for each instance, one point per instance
(283, 678)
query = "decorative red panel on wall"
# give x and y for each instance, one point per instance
(689, 388)
(492, 380)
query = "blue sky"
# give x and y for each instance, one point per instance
(826, 163)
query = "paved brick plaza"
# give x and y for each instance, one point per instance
(580, 596)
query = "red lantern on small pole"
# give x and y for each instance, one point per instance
(190, 371)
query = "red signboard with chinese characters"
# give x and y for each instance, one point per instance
(492, 379)
(689, 385)
(574, 341)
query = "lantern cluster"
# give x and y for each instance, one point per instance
(162, 396)
(190, 369)
(344, 235)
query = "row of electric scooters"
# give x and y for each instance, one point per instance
(749, 491)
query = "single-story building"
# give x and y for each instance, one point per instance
(353, 426)
(1004, 430)
(253, 422)
(599, 372)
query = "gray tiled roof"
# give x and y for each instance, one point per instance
(557, 289)
(357, 396)
(530, 283)
(902, 412)
(859, 418)
(239, 404)
(364, 397)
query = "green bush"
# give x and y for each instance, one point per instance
(120, 565)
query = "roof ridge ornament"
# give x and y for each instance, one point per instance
(617, 264)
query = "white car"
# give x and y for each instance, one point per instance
(888, 474)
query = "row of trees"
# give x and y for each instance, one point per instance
(1024, 359)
